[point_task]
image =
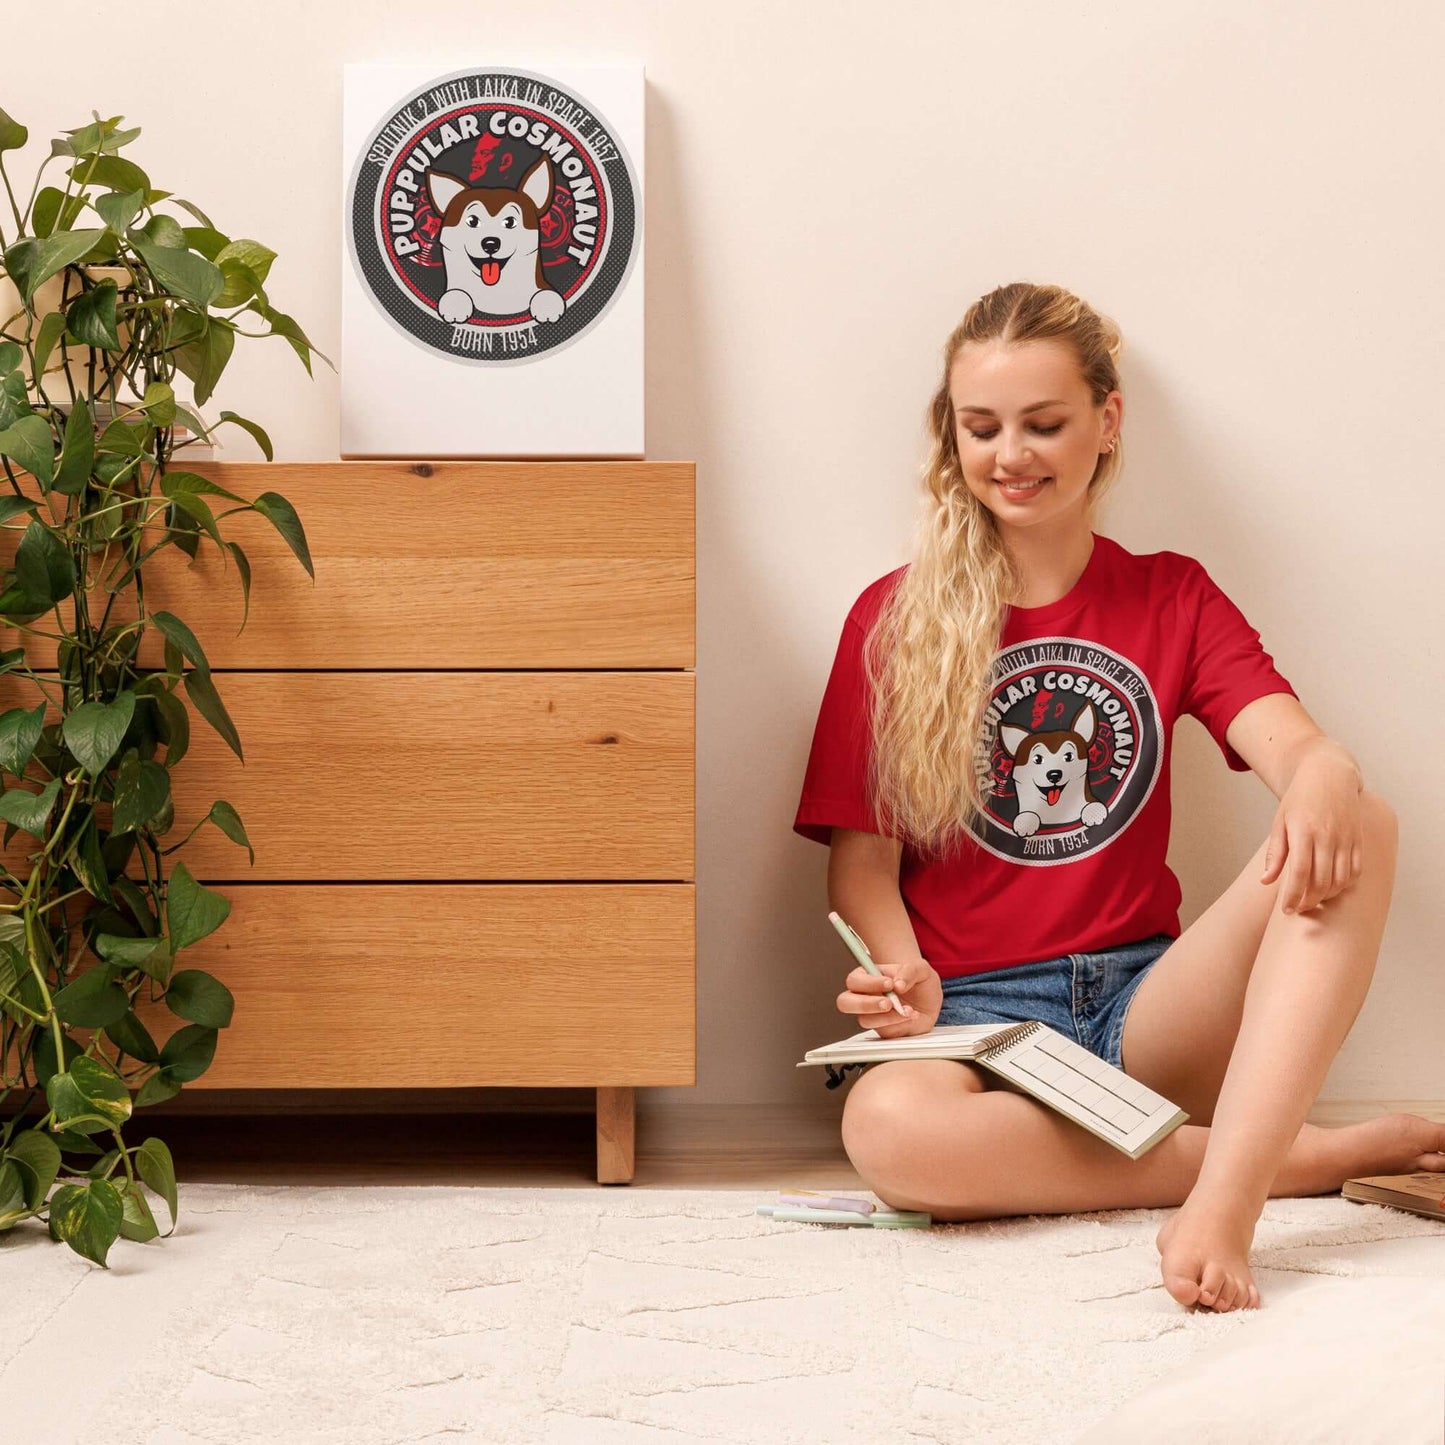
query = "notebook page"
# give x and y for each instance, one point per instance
(1105, 1099)
(950, 1041)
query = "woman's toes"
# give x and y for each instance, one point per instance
(1210, 1284)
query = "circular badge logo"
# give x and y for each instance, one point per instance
(1073, 747)
(492, 216)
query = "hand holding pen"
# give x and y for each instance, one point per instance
(874, 995)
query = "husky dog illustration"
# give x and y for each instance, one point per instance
(489, 239)
(1051, 774)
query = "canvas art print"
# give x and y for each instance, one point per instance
(492, 291)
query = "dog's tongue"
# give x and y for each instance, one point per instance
(1054, 794)
(491, 272)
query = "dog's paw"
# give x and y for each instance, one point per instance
(1093, 813)
(1026, 824)
(547, 306)
(455, 306)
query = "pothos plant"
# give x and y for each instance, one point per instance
(110, 298)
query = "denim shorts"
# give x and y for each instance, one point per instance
(1083, 996)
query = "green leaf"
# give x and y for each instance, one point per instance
(282, 515)
(262, 440)
(159, 403)
(77, 453)
(241, 285)
(228, 820)
(141, 790)
(19, 736)
(113, 173)
(88, 1087)
(93, 732)
(192, 912)
(205, 239)
(13, 1207)
(175, 725)
(131, 1036)
(193, 482)
(51, 327)
(187, 1054)
(198, 213)
(38, 1156)
(251, 254)
(204, 358)
(178, 633)
(89, 863)
(157, 1089)
(182, 273)
(87, 1217)
(190, 503)
(43, 566)
(199, 997)
(10, 356)
(243, 566)
(53, 212)
(165, 231)
(202, 691)
(93, 1000)
(13, 506)
(53, 254)
(91, 318)
(137, 1222)
(31, 443)
(29, 810)
(128, 438)
(151, 955)
(13, 135)
(119, 208)
(157, 1169)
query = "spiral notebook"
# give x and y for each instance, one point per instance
(1035, 1058)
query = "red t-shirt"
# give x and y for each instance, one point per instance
(1071, 858)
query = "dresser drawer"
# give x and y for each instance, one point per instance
(435, 565)
(443, 775)
(381, 986)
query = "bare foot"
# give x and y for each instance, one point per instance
(1204, 1256)
(1204, 1246)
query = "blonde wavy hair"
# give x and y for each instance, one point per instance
(929, 655)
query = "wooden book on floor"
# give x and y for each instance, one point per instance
(1039, 1061)
(1422, 1193)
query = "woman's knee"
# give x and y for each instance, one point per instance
(891, 1105)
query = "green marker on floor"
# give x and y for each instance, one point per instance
(881, 1218)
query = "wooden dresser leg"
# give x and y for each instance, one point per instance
(616, 1115)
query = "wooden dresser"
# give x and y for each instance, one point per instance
(468, 777)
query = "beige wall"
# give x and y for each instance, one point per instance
(1253, 192)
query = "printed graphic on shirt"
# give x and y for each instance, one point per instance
(1071, 749)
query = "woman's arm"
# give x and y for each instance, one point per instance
(863, 888)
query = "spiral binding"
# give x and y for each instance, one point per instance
(837, 1073)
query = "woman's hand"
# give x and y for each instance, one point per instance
(1317, 834)
(919, 990)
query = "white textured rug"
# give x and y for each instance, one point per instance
(649, 1317)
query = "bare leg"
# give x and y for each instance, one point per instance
(1306, 987)
(965, 1155)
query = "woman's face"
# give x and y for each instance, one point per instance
(1004, 433)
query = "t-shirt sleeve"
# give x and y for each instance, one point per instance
(1227, 668)
(835, 780)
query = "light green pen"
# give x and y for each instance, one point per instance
(859, 950)
(879, 1219)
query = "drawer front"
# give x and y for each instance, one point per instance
(380, 986)
(443, 775)
(435, 565)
